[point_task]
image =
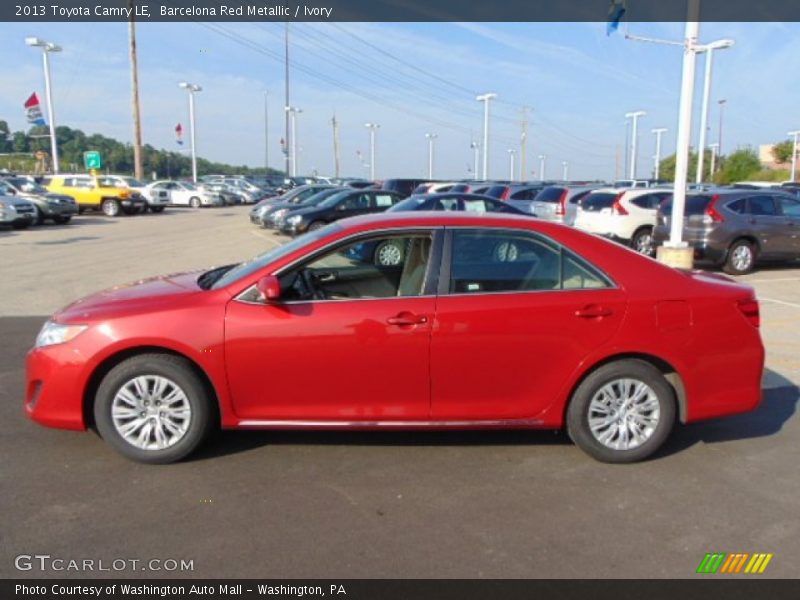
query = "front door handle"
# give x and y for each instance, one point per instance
(593, 311)
(406, 319)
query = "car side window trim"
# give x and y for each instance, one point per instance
(445, 268)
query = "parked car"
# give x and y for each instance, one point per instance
(96, 193)
(298, 193)
(455, 201)
(185, 193)
(556, 203)
(433, 187)
(737, 229)
(625, 216)
(155, 201)
(347, 203)
(451, 338)
(276, 214)
(230, 195)
(16, 212)
(631, 183)
(58, 208)
(404, 187)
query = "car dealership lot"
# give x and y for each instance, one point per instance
(388, 504)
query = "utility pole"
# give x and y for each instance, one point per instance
(721, 111)
(291, 112)
(286, 103)
(47, 48)
(523, 145)
(657, 157)
(634, 116)
(335, 125)
(565, 165)
(713, 148)
(266, 134)
(794, 134)
(372, 127)
(542, 159)
(192, 89)
(511, 155)
(476, 151)
(137, 117)
(431, 137)
(486, 98)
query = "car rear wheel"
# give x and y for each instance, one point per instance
(153, 408)
(642, 242)
(622, 412)
(741, 258)
(110, 207)
(194, 202)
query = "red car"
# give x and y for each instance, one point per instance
(488, 321)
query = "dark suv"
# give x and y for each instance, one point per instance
(736, 228)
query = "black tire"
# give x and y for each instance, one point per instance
(39, 216)
(110, 207)
(156, 209)
(316, 225)
(61, 220)
(194, 202)
(174, 368)
(21, 225)
(642, 241)
(579, 411)
(741, 258)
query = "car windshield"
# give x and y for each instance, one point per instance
(237, 272)
(319, 197)
(132, 182)
(333, 200)
(408, 204)
(188, 186)
(28, 186)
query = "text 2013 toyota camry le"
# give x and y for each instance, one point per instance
(480, 322)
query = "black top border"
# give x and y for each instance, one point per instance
(395, 10)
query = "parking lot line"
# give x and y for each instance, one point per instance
(793, 304)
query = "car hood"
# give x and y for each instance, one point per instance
(142, 295)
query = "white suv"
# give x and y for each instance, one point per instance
(627, 216)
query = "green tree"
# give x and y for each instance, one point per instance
(782, 151)
(739, 166)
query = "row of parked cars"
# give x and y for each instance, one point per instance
(730, 227)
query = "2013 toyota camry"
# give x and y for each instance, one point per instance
(485, 322)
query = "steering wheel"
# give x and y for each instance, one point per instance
(310, 285)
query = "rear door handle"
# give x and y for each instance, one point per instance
(593, 311)
(407, 318)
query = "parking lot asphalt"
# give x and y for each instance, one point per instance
(380, 504)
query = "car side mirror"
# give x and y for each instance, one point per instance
(270, 288)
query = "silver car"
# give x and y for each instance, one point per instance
(558, 203)
(15, 212)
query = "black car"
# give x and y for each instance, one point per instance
(302, 192)
(274, 214)
(404, 187)
(456, 201)
(348, 203)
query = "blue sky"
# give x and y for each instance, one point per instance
(578, 83)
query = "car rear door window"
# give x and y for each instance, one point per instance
(549, 194)
(739, 206)
(491, 261)
(791, 208)
(598, 201)
(384, 200)
(762, 206)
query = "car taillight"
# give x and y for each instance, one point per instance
(750, 310)
(711, 213)
(506, 193)
(561, 208)
(617, 206)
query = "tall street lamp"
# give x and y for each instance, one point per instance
(192, 89)
(431, 137)
(476, 151)
(709, 50)
(565, 173)
(794, 134)
(542, 162)
(486, 98)
(511, 156)
(372, 127)
(47, 48)
(293, 111)
(657, 157)
(719, 136)
(714, 148)
(634, 116)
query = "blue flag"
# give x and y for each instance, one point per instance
(615, 13)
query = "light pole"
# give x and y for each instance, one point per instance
(542, 162)
(714, 148)
(486, 98)
(266, 133)
(657, 157)
(476, 151)
(192, 88)
(292, 111)
(721, 111)
(47, 48)
(511, 156)
(709, 50)
(565, 173)
(634, 116)
(794, 134)
(372, 127)
(431, 137)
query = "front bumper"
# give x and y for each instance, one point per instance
(55, 378)
(60, 210)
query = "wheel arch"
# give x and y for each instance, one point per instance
(108, 363)
(669, 372)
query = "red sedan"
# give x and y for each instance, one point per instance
(481, 322)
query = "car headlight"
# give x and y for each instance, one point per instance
(294, 220)
(55, 333)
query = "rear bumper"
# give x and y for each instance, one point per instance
(705, 251)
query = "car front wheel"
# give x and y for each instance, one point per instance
(622, 412)
(153, 408)
(194, 202)
(110, 207)
(741, 258)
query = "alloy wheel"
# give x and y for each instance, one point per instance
(623, 414)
